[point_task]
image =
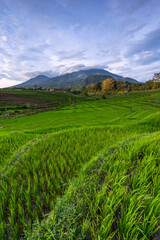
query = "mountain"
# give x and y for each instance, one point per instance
(76, 79)
(38, 81)
(73, 79)
(91, 79)
(131, 80)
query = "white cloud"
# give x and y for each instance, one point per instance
(32, 42)
(4, 82)
(4, 38)
(148, 55)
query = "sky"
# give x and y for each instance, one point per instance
(54, 37)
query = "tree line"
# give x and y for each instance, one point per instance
(110, 84)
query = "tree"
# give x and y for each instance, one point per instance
(148, 85)
(156, 77)
(70, 100)
(108, 84)
(93, 86)
(98, 86)
(120, 85)
(156, 84)
(83, 88)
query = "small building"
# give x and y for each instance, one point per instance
(52, 90)
(19, 89)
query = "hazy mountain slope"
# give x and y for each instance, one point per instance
(38, 81)
(131, 80)
(91, 79)
(70, 79)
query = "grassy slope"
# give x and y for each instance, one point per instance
(49, 148)
(115, 196)
(14, 103)
(58, 99)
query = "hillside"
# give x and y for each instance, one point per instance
(39, 80)
(91, 79)
(75, 79)
(88, 170)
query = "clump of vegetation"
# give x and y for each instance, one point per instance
(111, 85)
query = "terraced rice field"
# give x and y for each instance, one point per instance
(86, 171)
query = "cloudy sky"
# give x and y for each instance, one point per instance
(53, 37)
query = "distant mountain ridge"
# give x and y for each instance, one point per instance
(74, 79)
(39, 80)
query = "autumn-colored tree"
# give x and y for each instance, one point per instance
(93, 86)
(70, 100)
(108, 84)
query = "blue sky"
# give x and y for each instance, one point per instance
(53, 37)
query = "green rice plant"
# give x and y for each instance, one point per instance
(21, 194)
(38, 204)
(35, 184)
(41, 180)
(21, 214)
(3, 234)
(156, 185)
(149, 224)
(28, 198)
(46, 199)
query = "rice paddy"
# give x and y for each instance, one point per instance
(85, 171)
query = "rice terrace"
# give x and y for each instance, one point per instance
(89, 169)
(79, 120)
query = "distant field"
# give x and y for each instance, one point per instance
(93, 166)
(14, 103)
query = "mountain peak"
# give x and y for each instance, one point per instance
(70, 79)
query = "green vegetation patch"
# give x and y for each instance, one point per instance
(41, 173)
(9, 145)
(42, 153)
(117, 194)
